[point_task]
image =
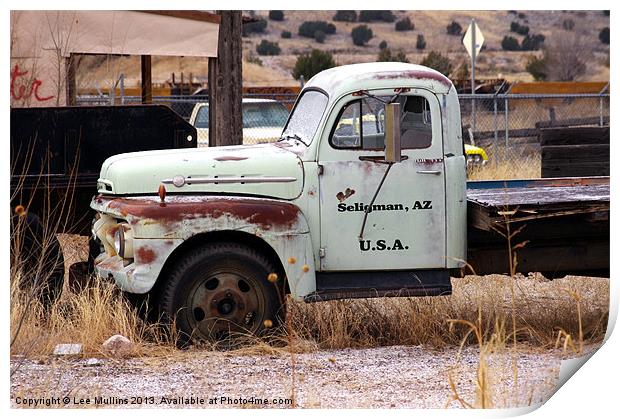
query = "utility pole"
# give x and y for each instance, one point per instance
(145, 78)
(225, 82)
(473, 75)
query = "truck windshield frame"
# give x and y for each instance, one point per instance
(306, 116)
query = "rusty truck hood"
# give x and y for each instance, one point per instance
(261, 170)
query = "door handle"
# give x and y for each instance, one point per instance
(429, 172)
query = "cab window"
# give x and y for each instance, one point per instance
(361, 124)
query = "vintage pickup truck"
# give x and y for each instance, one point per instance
(218, 236)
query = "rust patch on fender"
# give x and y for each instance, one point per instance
(145, 255)
(230, 158)
(264, 212)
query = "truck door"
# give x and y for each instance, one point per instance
(406, 226)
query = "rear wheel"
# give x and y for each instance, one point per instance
(221, 290)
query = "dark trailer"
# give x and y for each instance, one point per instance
(563, 223)
(56, 155)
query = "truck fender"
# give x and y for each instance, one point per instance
(162, 231)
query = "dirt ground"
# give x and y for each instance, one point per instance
(387, 377)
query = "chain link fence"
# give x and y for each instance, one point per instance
(505, 126)
(264, 115)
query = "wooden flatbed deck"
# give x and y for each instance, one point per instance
(564, 223)
(538, 191)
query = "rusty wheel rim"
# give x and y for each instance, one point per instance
(223, 304)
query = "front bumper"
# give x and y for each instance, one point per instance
(137, 275)
(138, 271)
(113, 268)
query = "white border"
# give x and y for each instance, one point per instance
(593, 390)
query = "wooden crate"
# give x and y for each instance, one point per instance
(574, 151)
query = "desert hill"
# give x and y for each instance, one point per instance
(493, 61)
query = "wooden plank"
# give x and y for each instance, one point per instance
(513, 133)
(574, 136)
(581, 152)
(478, 216)
(555, 257)
(575, 151)
(71, 83)
(558, 170)
(146, 80)
(571, 122)
(187, 14)
(539, 196)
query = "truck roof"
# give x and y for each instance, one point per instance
(350, 78)
(245, 100)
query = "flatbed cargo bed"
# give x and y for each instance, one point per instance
(562, 221)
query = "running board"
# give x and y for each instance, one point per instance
(343, 285)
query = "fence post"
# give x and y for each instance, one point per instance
(112, 97)
(122, 87)
(601, 104)
(506, 118)
(496, 139)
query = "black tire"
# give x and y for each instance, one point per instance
(43, 264)
(221, 290)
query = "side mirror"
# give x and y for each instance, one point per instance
(392, 132)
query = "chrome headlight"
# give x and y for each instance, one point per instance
(123, 241)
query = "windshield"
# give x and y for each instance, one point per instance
(264, 114)
(255, 115)
(306, 116)
(202, 118)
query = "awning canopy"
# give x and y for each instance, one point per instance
(176, 33)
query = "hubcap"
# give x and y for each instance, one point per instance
(225, 303)
(226, 306)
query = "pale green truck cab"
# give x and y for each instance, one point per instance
(219, 235)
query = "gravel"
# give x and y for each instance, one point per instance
(385, 377)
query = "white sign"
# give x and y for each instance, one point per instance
(468, 38)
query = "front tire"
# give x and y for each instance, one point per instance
(220, 290)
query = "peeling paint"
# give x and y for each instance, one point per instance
(265, 213)
(414, 74)
(145, 255)
(230, 158)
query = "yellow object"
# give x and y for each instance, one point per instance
(472, 150)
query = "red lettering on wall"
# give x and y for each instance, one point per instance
(20, 92)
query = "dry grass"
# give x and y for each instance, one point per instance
(543, 309)
(545, 312)
(507, 163)
(88, 317)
